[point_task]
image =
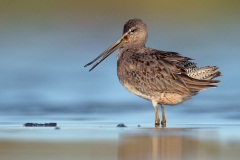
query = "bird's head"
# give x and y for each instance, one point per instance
(134, 35)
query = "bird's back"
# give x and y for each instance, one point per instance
(152, 74)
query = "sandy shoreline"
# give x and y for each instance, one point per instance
(118, 143)
(10, 150)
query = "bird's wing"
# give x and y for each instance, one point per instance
(160, 71)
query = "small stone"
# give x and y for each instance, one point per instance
(40, 124)
(121, 125)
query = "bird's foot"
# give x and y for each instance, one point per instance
(157, 123)
(163, 123)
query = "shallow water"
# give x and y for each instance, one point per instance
(90, 139)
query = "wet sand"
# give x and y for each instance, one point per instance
(109, 142)
(24, 150)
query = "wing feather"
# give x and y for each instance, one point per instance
(152, 71)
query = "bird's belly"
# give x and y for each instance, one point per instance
(166, 98)
(133, 90)
(171, 98)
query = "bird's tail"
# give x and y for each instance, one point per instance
(197, 79)
(203, 73)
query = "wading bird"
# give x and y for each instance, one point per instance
(162, 77)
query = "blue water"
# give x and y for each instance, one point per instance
(42, 72)
(43, 54)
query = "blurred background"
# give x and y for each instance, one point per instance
(45, 44)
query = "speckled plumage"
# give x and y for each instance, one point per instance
(163, 77)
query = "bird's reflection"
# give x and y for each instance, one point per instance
(172, 144)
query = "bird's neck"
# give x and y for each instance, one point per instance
(123, 50)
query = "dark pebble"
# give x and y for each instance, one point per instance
(121, 125)
(40, 124)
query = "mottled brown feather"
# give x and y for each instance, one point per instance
(155, 71)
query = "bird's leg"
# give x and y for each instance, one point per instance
(157, 120)
(163, 122)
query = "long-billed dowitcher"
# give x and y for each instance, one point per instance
(163, 77)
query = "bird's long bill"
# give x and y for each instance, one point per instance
(107, 52)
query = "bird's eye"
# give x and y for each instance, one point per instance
(132, 30)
